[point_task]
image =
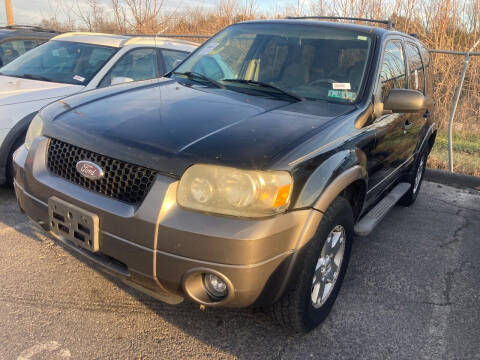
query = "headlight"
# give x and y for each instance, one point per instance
(35, 129)
(230, 191)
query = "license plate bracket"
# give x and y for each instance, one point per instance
(73, 223)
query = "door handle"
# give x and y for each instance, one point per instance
(408, 125)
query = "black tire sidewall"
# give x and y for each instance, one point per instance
(423, 156)
(410, 197)
(10, 171)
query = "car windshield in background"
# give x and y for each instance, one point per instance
(10, 50)
(60, 61)
(300, 61)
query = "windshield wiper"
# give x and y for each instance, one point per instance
(267, 85)
(35, 77)
(195, 75)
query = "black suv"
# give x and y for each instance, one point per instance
(240, 178)
(17, 39)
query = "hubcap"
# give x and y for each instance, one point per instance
(328, 266)
(418, 177)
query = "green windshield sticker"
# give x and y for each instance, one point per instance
(360, 37)
(342, 94)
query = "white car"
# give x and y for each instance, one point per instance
(72, 63)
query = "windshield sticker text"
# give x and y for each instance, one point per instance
(342, 94)
(79, 78)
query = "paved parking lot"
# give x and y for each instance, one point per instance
(411, 291)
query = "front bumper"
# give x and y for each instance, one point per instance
(162, 249)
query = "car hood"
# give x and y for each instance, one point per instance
(168, 125)
(15, 90)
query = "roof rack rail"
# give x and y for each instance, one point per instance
(29, 27)
(389, 23)
(173, 36)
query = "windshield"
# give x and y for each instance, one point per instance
(60, 61)
(307, 61)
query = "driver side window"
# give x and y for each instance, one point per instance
(392, 73)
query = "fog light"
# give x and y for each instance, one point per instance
(215, 286)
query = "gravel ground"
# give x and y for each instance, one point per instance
(411, 291)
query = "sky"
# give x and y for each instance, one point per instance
(31, 12)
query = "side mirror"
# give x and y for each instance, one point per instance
(120, 80)
(404, 101)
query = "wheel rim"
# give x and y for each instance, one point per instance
(418, 177)
(328, 266)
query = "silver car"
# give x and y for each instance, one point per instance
(71, 63)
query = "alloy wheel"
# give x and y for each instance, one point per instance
(328, 266)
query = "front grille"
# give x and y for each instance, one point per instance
(122, 181)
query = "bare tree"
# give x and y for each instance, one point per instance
(144, 14)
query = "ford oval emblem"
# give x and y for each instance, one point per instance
(90, 170)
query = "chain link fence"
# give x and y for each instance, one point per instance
(457, 102)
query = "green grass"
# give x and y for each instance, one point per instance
(466, 153)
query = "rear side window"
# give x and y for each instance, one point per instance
(172, 58)
(10, 50)
(392, 73)
(425, 56)
(138, 64)
(416, 77)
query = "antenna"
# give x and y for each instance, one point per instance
(161, 31)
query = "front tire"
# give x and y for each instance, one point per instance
(315, 284)
(10, 171)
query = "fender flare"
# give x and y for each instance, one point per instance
(20, 128)
(328, 195)
(331, 177)
(431, 132)
(339, 184)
